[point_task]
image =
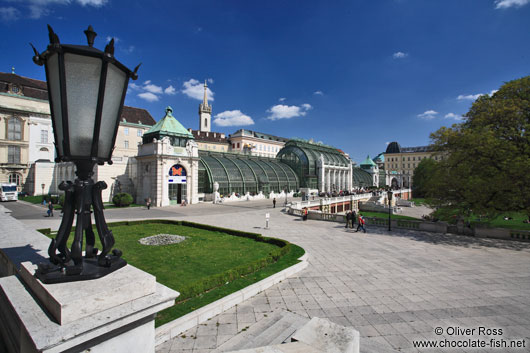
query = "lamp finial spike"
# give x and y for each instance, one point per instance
(90, 35)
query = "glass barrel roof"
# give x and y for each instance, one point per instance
(242, 173)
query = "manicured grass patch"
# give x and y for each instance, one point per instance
(37, 199)
(385, 215)
(418, 201)
(213, 262)
(515, 223)
(184, 307)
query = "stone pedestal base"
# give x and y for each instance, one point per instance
(123, 322)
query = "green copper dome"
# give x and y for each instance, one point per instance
(168, 126)
(368, 162)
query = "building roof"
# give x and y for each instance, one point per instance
(368, 162)
(379, 158)
(259, 135)
(38, 89)
(28, 87)
(204, 136)
(394, 147)
(169, 126)
(361, 178)
(137, 116)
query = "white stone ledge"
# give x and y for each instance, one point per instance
(176, 327)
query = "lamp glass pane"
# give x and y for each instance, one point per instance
(116, 79)
(55, 103)
(82, 87)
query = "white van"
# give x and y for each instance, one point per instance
(8, 192)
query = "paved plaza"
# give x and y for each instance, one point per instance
(394, 287)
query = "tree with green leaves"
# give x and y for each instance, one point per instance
(486, 158)
(422, 174)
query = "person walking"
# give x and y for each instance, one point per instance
(148, 203)
(353, 218)
(361, 223)
(274, 202)
(348, 219)
(50, 209)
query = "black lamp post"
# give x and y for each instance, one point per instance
(286, 190)
(86, 90)
(389, 196)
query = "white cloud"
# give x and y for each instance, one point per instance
(428, 115)
(95, 3)
(470, 97)
(400, 55)
(318, 93)
(473, 97)
(195, 89)
(116, 39)
(453, 116)
(151, 92)
(152, 88)
(170, 90)
(281, 111)
(9, 14)
(210, 80)
(148, 96)
(281, 99)
(232, 118)
(41, 8)
(504, 4)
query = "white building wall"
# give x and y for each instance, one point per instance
(41, 145)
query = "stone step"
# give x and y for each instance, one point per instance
(275, 329)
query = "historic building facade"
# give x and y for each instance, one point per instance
(256, 143)
(24, 109)
(400, 163)
(168, 163)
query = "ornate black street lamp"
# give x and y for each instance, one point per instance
(86, 90)
(389, 196)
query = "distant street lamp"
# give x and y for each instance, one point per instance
(286, 188)
(389, 196)
(86, 90)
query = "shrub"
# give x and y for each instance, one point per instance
(61, 200)
(122, 200)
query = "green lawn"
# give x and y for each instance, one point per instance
(515, 223)
(385, 215)
(205, 267)
(418, 201)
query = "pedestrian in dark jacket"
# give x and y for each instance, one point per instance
(50, 209)
(353, 218)
(348, 219)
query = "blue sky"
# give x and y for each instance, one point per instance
(353, 74)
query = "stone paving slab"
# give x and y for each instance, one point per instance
(394, 288)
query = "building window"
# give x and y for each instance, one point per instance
(126, 131)
(125, 144)
(205, 122)
(13, 154)
(14, 129)
(15, 178)
(238, 145)
(139, 133)
(44, 136)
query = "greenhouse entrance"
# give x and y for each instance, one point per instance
(177, 185)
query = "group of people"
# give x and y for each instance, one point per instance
(352, 217)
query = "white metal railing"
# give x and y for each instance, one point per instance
(298, 205)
